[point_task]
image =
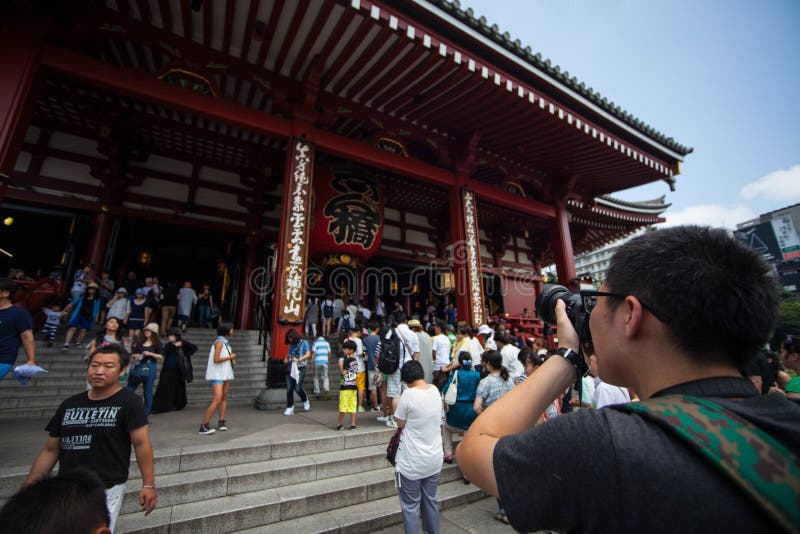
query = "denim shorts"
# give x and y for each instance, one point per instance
(217, 383)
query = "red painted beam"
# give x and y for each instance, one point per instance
(502, 198)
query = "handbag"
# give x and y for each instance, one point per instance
(451, 395)
(141, 372)
(185, 366)
(394, 444)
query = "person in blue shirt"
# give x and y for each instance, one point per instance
(16, 329)
(299, 354)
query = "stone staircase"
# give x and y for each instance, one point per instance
(67, 375)
(327, 482)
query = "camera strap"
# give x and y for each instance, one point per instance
(766, 470)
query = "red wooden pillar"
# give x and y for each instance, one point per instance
(101, 226)
(21, 42)
(562, 245)
(247, 294)
(289, 298)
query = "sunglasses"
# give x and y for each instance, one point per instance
(589, 298)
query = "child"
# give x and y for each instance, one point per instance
(321, 350)
(53, 316)
(347, 391)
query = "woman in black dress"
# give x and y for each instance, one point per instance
(171, 391)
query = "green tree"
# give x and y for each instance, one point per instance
(788, 319)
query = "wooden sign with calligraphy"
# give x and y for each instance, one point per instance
(296, 222)
(477, 313)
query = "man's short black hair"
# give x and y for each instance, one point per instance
(411, 372)
(350, 344)
(718, 298)
(501, 338)
(400, 317)
(113, 348)
(6, 284)
(71, 503)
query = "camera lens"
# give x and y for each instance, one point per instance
(546, 301)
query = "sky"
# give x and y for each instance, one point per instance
(720, 76)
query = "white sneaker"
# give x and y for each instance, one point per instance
(289, 411)
(307, 405)
(391, 422)
(382, 418)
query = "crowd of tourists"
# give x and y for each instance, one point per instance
(507, 395)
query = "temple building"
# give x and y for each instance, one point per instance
(285, 149)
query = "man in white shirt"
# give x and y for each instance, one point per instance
(425, 349)
(441, 354)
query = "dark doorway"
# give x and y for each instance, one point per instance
(35, 240)
(178, 254)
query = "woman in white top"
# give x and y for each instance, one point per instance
(220, 373)
(419, 456)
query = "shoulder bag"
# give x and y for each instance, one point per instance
(766, 470)
(451, 395)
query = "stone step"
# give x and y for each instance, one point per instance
(186, 487)
(263, 507)
(244, 459)
(378, 514)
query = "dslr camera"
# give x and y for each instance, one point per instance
(578, 316)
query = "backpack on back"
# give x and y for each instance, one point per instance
(389, 354)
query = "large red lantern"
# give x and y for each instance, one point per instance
(348, 213)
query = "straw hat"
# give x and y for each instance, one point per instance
(153, 327)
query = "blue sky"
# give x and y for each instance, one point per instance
(720, 76)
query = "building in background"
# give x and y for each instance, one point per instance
(774, 235)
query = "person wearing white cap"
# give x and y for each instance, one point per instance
(147, 349)
(488, 340)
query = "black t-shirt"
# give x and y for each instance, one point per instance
(608, 471)
(87, 308)
(170, 295)
(96, 434)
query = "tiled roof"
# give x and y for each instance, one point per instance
(453, 7)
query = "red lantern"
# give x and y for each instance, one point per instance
(348, 213)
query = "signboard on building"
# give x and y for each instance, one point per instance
(761, 238)
(296, 221)
(477, 313)
(786, 235)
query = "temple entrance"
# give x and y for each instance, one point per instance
(38, 240)
(176, 254)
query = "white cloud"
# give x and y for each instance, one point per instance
(727, 216)
(782, 185)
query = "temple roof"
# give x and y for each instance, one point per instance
(453, 7)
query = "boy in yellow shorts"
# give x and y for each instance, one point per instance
(348, 397)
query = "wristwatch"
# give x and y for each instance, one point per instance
(571, 356)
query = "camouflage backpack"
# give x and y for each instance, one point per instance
(767, 471)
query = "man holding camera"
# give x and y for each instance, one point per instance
(680, 309)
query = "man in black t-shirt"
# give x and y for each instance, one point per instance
(95, 430)
(681, 308)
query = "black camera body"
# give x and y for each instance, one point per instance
(578, 316)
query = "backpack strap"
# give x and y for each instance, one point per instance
(767, 471)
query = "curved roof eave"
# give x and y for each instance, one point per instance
(451, 11)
